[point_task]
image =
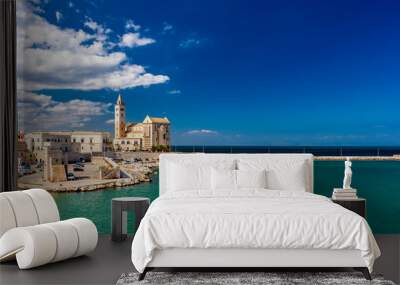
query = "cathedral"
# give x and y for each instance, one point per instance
(152, 133)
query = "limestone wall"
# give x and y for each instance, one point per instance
(57, 173)
(139, 154)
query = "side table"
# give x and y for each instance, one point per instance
(358, 205)
(119, 208)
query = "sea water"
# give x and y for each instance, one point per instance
(377, 181)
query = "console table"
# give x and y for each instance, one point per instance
(119, 208)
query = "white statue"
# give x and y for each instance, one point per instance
(348, 173)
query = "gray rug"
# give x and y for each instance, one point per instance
(269, 278)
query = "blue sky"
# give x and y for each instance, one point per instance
(224, 72)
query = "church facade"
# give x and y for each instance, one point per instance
(152, 133)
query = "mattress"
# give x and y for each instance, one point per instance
(250, 219)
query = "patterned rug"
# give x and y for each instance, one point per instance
(269, 278)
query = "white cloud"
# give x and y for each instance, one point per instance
(201, 132)
(175, 91)
(191, 42)
(96, 27)
(36, 111)
(167, 28)
(91, 24)
(50, 57)
(101, 31)
(135, 40)
(131, 25)
(110, 122)
(35, 99)
(59, 16)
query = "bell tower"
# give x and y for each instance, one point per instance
(119, 120)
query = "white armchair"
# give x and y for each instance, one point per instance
(31, 230)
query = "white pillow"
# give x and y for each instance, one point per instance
(223, 179)
(193, 173)
(282, 174)
(251, 178)
(183, 178)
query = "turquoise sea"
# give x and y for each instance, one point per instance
(377, 181)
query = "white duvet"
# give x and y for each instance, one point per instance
(250, 219)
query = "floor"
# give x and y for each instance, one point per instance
(110, 260)
(103, 266)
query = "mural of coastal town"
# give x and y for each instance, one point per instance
(75, 161)
(90, 160)
(105, 87)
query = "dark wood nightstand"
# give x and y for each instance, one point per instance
(358, 205)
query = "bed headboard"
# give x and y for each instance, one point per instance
(176, 157)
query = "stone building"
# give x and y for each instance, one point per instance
(92, 142)
(74, 145)
(54, 167)
(38, 143)
(24, 156)
(53, 150)
(152, 132)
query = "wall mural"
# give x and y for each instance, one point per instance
(105, 86)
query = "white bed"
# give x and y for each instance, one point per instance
(280, 225)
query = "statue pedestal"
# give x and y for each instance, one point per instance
(340, 193)
(344, 189)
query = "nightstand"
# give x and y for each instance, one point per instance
(119, 208)
(358, 205)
